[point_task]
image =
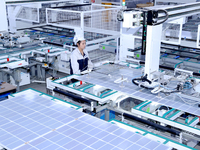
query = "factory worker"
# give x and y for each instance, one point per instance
(80, 62)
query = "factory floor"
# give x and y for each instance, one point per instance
(42, 88)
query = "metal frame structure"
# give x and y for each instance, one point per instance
(81, 25)
(17, 22)
(152, 32)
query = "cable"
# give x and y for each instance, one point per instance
(151, 88)
(50, 74)
(144, 78)
(162, 106)
(166, 88)
(167, 16)
(186, 101)
(187, 85)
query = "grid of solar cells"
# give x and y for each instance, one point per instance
(107, 80)
(26, 117)
(91, 133)
(29, 122)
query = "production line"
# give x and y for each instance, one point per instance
(44, 52)
(165, 100)
(111, 89)
(173, 56)
(143, 92)
(34, 60)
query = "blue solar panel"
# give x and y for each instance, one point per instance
(98, 78)
(35, 122)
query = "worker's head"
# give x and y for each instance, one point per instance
(80, 42)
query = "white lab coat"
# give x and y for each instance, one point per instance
(79, 63)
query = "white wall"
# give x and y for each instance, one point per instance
(4, 22)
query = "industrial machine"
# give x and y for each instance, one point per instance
(31, 63)
(17, 39)
(154, 86)
(109, 94)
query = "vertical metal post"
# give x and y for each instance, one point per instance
(38, 71)
(117, 50)
(98, 115)
(33, 71)
(17, 78)
(180, 33)
(122, 118)
(153, 49)
(82, 24)
(46, 57)
(47, 19)
(181, 136)
(198, 36)
(38, 13)
(92, 106)
(1, 76)
(107, 115)
(91, 16)
(144, 34)
(43, 74)
(154, 2)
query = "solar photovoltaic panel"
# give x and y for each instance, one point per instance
(29, 121)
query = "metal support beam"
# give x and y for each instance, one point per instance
(107, 114)
(39, 74)
(153, 49)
